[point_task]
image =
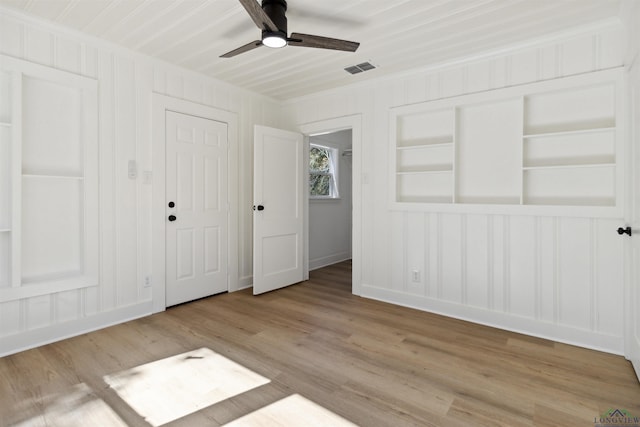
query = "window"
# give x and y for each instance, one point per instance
(323, 172)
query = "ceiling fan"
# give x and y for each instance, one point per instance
(271, 19)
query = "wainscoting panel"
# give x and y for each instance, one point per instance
(126, 82)
(548, 275)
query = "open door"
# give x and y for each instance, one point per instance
(278, 212)
(632, 316)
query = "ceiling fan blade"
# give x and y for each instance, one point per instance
(247, 47)
(258, 15)
(308, 40)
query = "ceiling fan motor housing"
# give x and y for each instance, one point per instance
(276, 10)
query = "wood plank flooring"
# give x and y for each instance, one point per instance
(372, 363)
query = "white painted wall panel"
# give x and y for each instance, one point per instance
(67, 306)
(452, 257)
(476, 259)
(68, 55)
(608, 314)
(397, 255)
(107, 158)
(578, 54)
(478, 76)
(547, 268)
(521, 257)
(39, 46)
(126, 82)
(516, 272)
(502, 270)
(575, 268)
(524, 67)
(126, 197)
(11, 316)
(632, 294)
(38, 311)
(11, 37)
(415, 259)
(499, 272)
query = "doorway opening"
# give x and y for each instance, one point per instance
(330, 221)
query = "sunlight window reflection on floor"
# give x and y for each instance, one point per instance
(168, 389)
(292, 411)
(77, 408)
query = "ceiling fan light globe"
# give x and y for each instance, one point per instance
(274, 41)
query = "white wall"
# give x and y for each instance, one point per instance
(330, 220)
(548, 276)
(631, 15)
(511, 271)
(126, 82)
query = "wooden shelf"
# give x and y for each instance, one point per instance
(31, 175)
(569, 166)
(427, 199)
(540, 148)
(490, 200)
(568, 201)
(568, 132)
(425, 171)
(425, 143)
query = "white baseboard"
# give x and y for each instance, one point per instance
(244, 283)
(500, 320)
(34, 338)
(317, 263)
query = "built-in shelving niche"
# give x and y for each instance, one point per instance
(48, 180)
(549, 146)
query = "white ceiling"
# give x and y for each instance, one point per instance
(395, 35)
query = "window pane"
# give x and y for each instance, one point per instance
(319, 185)
(318, 159)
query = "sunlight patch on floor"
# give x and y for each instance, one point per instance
(171, 388)
(292, 411)
(77, 408)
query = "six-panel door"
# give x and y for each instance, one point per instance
(196, 207)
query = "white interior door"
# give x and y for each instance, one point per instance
(632, 317)
(278, 216)
(632, 350)
(196, 207)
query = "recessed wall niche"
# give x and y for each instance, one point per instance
(552, 146)
(49, 187)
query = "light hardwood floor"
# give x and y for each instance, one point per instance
(372, 363)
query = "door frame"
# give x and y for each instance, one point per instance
(161, 104)
(353, 122)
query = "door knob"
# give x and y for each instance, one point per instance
(171, 204)
(172, 218)
(259, 207)
(622, 231)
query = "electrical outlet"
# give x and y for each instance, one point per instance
(415, 275)
(147, 281)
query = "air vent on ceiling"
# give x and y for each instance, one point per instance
(355, 69)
